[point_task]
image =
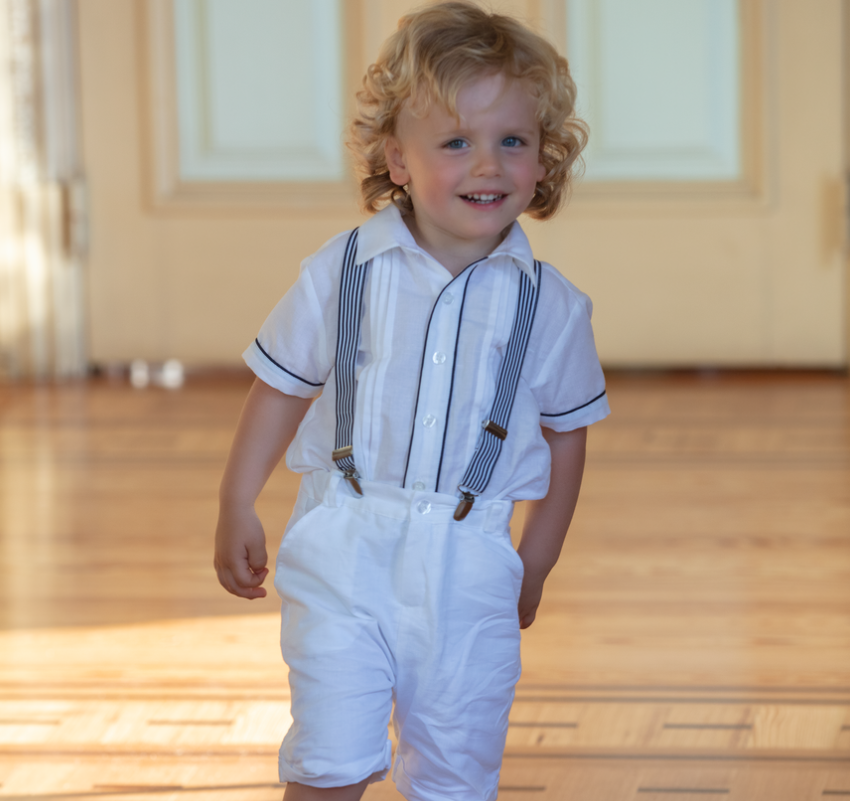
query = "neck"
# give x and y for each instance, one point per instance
(455, 256)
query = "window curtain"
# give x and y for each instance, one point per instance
(42, 194)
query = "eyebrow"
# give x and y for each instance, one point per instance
(507, 132)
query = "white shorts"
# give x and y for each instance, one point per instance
(386, 599)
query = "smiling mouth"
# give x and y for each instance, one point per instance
(482, 199)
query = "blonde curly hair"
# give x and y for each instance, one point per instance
(434, 52)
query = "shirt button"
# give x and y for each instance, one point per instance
(439, 358)
(448, 298)
(429, 421)
(424, 507)
(419, 485)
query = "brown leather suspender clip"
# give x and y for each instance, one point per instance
(465, 506)
(495, 429)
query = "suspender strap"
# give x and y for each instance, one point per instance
(347, 343)
(495, 429)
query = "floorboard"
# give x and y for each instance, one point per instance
(694, 640)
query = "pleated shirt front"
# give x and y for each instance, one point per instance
(430, 350)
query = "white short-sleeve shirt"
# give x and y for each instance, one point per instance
(430, 351)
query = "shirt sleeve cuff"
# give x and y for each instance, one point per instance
(593, 411)
(276, 375)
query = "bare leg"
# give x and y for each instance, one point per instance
(303, 792)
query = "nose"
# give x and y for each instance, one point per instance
(487, 163)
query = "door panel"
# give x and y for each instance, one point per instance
(659, 82)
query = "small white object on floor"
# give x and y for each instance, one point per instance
(172, 374)
(140, 374)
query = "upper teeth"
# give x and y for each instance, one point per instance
(483, 197)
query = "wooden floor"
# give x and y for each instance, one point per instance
(694, 640)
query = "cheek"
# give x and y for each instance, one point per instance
(529, 173)
(541, 172)
(434, 178)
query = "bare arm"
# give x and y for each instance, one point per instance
(547, 519)
(267, 425)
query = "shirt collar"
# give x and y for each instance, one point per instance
(386, 230)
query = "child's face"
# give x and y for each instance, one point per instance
(469, 178)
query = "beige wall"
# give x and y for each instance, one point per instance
(751, 279)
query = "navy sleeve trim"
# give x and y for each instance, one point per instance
(561, 414)
(289, 372)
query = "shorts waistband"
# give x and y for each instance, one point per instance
(404, 504)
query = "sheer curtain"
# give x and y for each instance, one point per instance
(42, 194)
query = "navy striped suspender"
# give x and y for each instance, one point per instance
(495, 428)
(347, 343)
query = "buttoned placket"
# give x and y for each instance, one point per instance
(435, 385)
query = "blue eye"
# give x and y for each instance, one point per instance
(455, 144)
(512, 141)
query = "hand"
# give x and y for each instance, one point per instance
(267, 425)
(240, 553)
(529, 597)
(547, 519)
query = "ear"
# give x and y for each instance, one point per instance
(399, 174)
(541, 170)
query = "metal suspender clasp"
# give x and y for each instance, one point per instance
(341, 453)
(351, 477)
(349, 474)
(465, 505)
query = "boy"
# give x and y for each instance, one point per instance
(452, 375)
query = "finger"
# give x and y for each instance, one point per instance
(244, 576)
(249, 592)
(257, 557)
(236, 577)
(527, 612)
(228, 581)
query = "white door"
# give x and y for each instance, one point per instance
(708, 229)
